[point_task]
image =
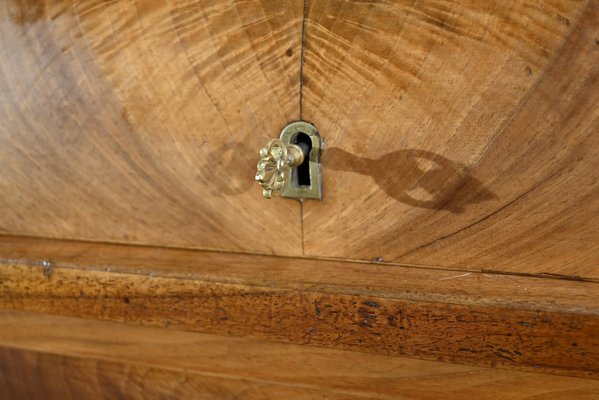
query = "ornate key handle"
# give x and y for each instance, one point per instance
(274, 167)
(290, 165)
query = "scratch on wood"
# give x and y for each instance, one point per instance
(455, 277)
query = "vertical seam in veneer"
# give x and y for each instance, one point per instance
(303, 45)
(301, 89)
(302, 223)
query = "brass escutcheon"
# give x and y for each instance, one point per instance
(280, 159)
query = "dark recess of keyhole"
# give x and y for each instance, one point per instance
(303, 170)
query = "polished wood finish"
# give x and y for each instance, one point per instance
(76, 358)
(141, 122)
(527, 323)
(460, 218)
(459, 134)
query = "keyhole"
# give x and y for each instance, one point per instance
(303, 170)
(305, 180)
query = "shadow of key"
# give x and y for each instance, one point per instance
(414, 177)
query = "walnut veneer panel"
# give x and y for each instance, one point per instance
(140, 121)
(460, 134)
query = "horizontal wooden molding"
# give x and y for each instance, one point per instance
(535, 324)
(116, 360)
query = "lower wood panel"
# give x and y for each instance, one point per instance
(52, 357)
(31, 375)
(514, 322)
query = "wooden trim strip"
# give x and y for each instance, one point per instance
(473, 318)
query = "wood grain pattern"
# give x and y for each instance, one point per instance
(140, 121)
(91, 359)
(459, 134)
(461, 137)
(524, 323)
(66, 377)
